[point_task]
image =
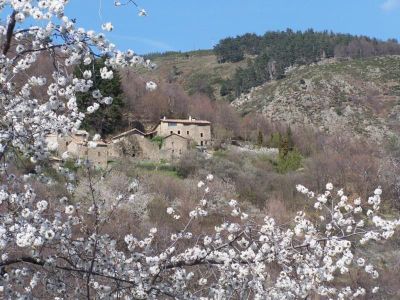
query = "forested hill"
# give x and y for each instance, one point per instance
(275, 51)
(237, 64)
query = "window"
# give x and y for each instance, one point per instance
(179, 132)
(172, 132)
(187, 132)
(66, 143)
(201, 134)
(201, 143)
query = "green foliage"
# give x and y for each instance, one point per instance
(158, 140)
(277, 50)
(286, 143)
(260, 139)
(275, 140)
(70, 164)
(292, 161)
(108, 118)
(200, 83)
(154, 167)
(226, 88)
(289, 136)
(228, 50)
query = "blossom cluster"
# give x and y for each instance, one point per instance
(58, 247)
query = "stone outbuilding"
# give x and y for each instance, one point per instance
(133, 143)
(174, 146)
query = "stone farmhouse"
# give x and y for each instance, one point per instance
(197, 130)
(177, 136)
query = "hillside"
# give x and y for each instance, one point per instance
(360, 96)
(193, 70)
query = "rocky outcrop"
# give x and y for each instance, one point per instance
(361, 97)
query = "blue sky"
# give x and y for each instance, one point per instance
(199, 24)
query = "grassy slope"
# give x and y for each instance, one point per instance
(202, 62)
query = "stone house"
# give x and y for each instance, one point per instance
(97, 155)
(174, 146)
(70, 142)
(197, 130)
(76, 145)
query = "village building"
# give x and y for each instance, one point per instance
(197, 130)
(70, 142)
(76, 145)
(174, 146)
(98, 155)
(177, 137)
(133, 143)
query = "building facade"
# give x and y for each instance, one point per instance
(197, 130)
(76, 145)
(174, 146)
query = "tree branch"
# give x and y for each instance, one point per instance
(9, 34)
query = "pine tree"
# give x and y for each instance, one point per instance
(107, 119)
(289, 136)
(284, 147)
(260, 139)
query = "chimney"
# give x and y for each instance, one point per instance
(164, 118)
(190, 118)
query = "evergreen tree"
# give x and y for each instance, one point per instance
(260, 139)
(283, 147)
(107, 119)
(289, 136)
(275, 140)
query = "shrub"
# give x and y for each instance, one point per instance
(291, 162)
(189, 164)
(158, 140)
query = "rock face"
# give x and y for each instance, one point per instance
(360, 97)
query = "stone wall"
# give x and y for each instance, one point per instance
(134, 146)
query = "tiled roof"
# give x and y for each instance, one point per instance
(186, 121)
